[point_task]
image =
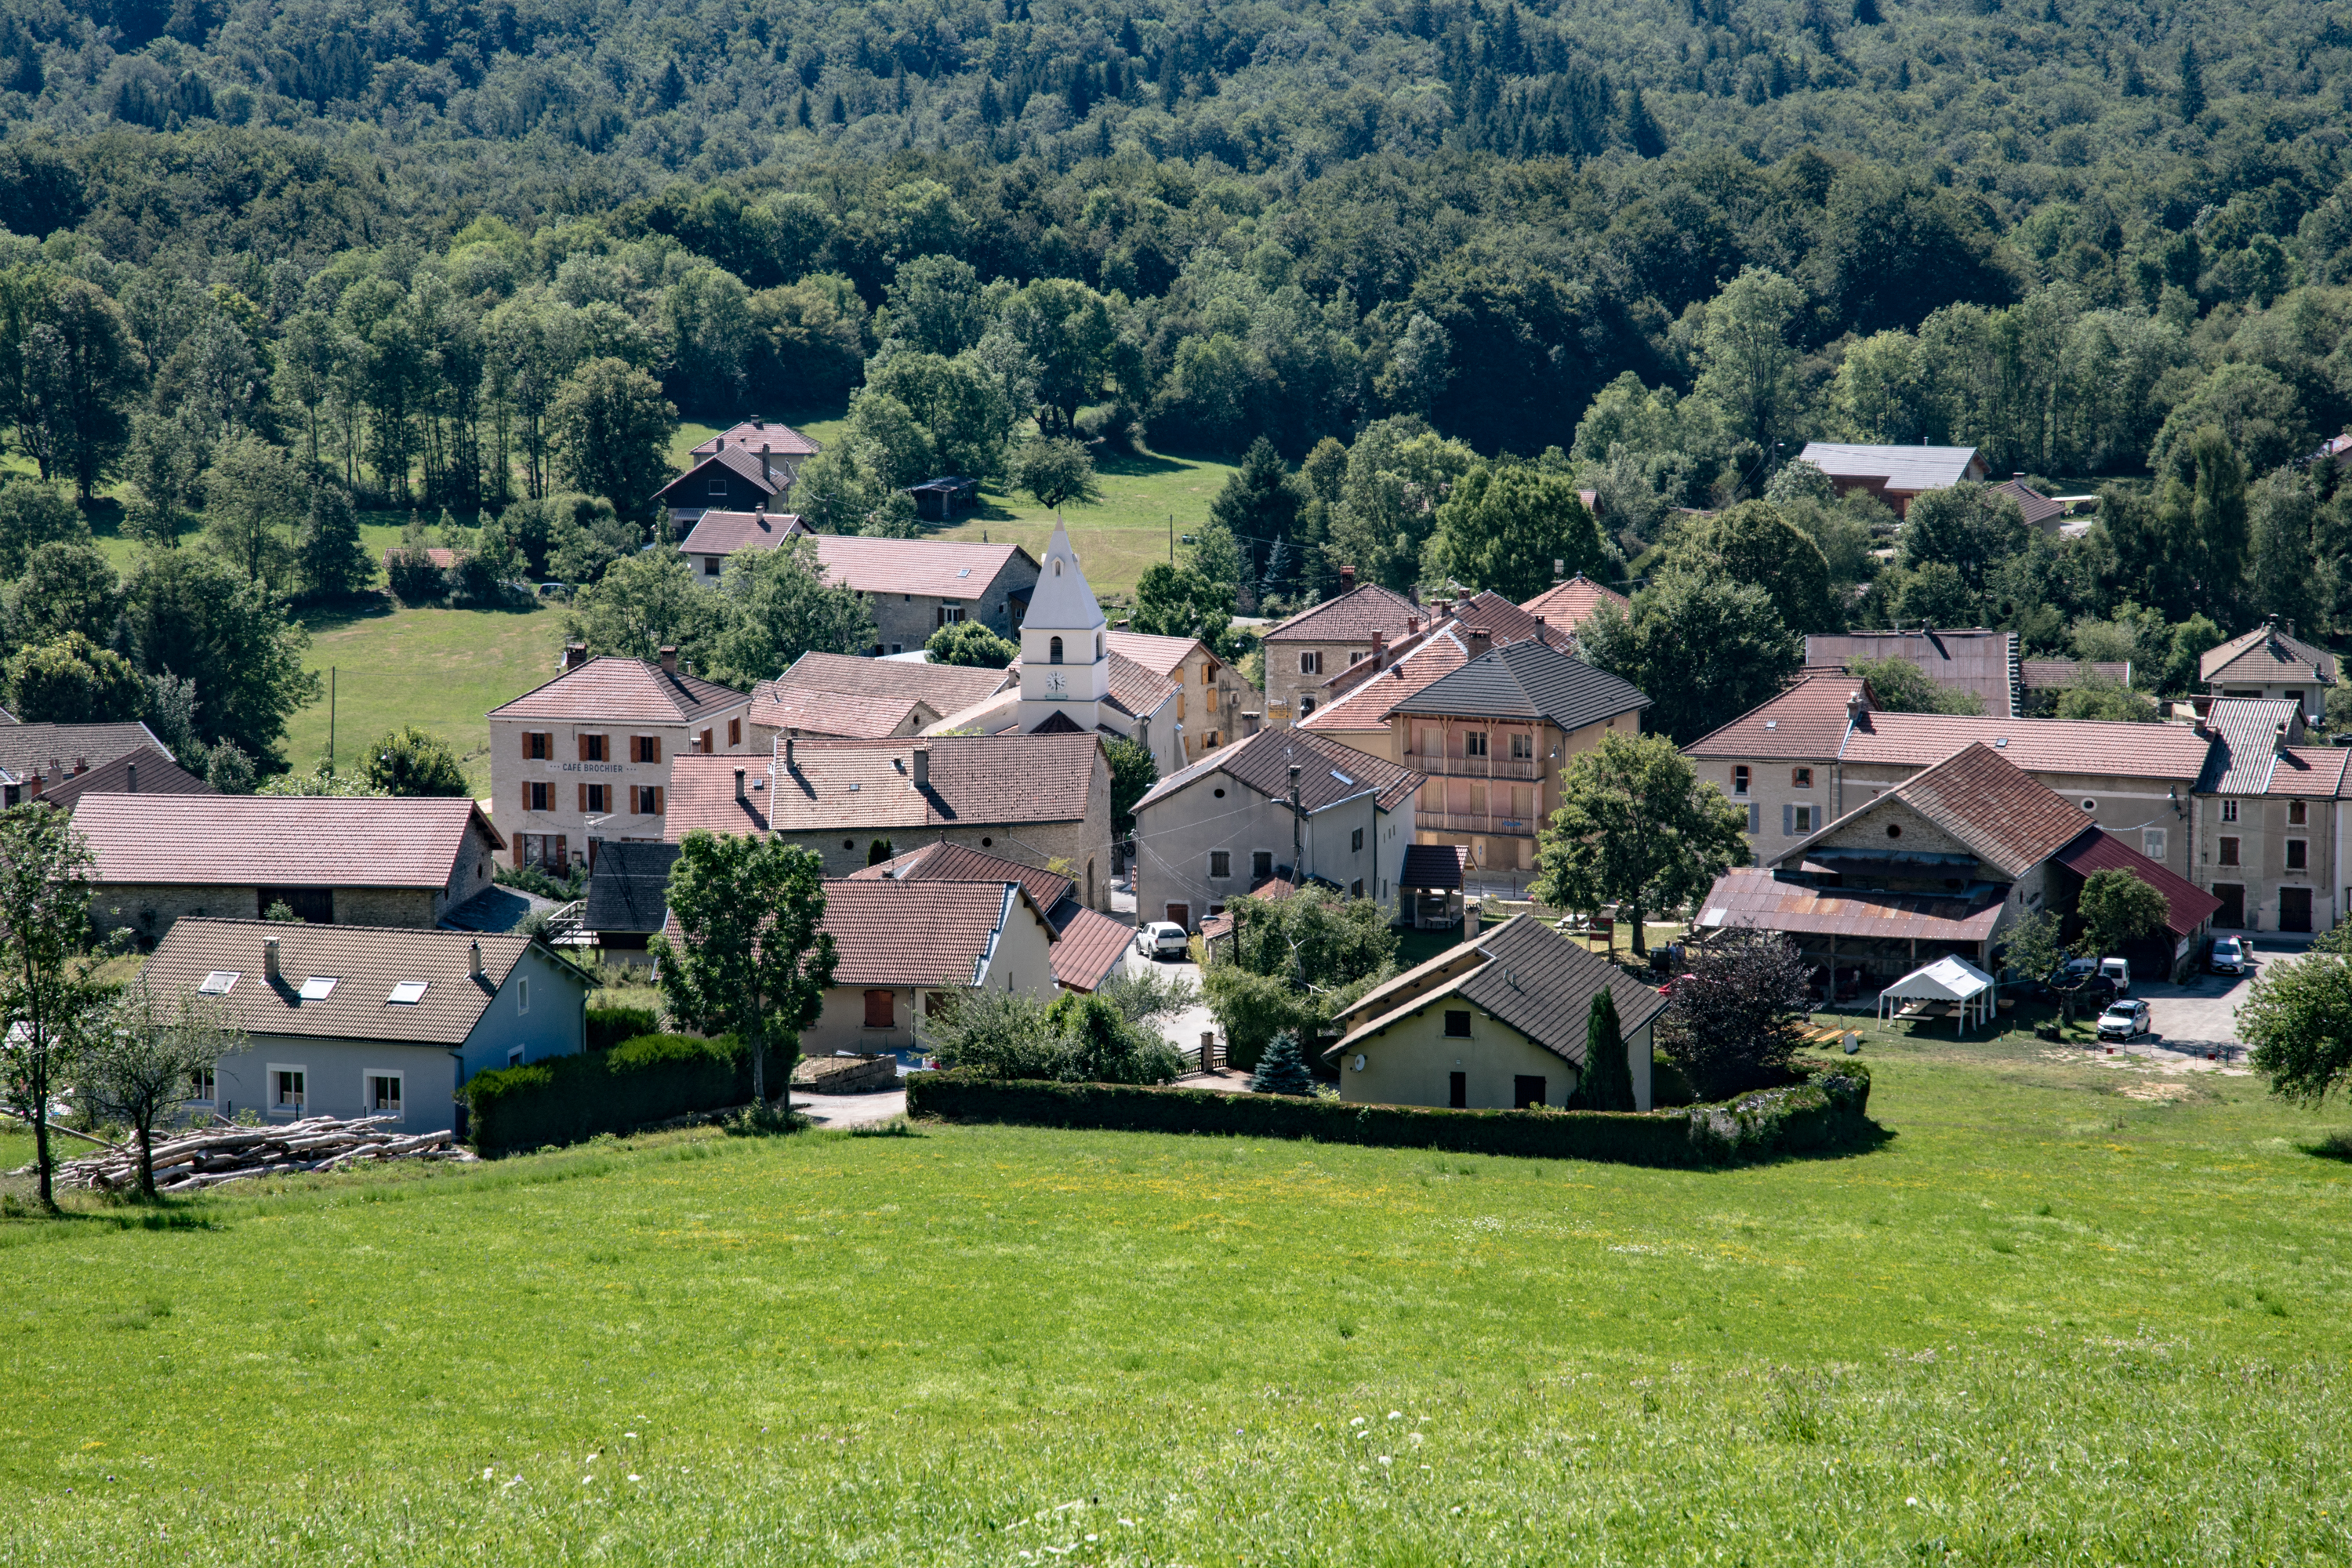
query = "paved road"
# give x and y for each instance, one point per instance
(2202, 1016)
(851, 1109)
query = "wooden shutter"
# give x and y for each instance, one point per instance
(583, 798)
(656, 793)
(526, 745)
(583, 741)
(526, 797)
(1788, 820)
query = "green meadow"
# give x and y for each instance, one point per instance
(2066, 1312)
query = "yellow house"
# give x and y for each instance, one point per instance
(1496, 1023)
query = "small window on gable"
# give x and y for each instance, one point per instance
(2228, 811)
(408, 993)
(1261, 863)
(522, 993)
(219, 983)
(1739, 780)
(1457, 1025)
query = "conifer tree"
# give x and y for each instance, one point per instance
(1282, 1070)
(1608, 1078)
(2192, 85)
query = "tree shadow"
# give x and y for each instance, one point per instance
(1147, 465)
(2334, 1145)
(335, 614)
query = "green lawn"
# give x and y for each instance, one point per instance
(2049, 1321)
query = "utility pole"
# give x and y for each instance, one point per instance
(1297, 871)
(1172, 539)
(331, 718)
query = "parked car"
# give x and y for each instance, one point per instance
(2229, 955)
(1160, 939)
(2125, 1019)
(2119, 972)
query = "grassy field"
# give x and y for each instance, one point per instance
(2068, 1314)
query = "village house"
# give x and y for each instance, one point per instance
(2268, 662)
(1353, 706)
(750, 468)
(35, 759)
(1821, 749)
(902, 949)
(1895, 475)
(1568, 605)
(2271, 816)
(1984, 664)
(141, 771)
(1493, 738)
(1088, 946)
(587, 758)
(1209, 693)
(917, 585)
(857, 698)
(1496, 1023)
(1227, 824)
(717, 535)
(1945, 863)
(1324, 639)
(1042, 800)
(330, 860)
(349, 1020)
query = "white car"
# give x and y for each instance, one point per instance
(1160, 939)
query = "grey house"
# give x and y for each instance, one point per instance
(351, 1020)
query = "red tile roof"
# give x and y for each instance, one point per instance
(157, 774)
(937, 568)
(779, 437)
(1353, 616)
(856, 785)
(30, 749)
(2005, 818)
(1807, 724)
(2037, 508)
(1165, 655)
(2318, 771)
(1366, 705)
(612, 691)
(945, 862)
(1134, 686)
(1089, 951)
(248, 840)
(776, 705)
(2075, 746)
(920, 933)
(948, 687)
(2188, 905)
(1569, 605)
(725, 532)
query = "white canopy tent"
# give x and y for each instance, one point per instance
(1954, 979)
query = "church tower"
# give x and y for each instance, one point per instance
(1065, 657)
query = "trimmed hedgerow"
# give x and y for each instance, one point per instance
(638, 1082)
(1807, 1116)
(610, 1026)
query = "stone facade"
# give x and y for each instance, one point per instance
(1023, 962)
(151, 910)
(2247, 852)
(573, 778)
(1181, 838)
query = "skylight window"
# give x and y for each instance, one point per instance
(963, 572)
(218, 983)
(408, 993)
(317, 988)
(1341, 777)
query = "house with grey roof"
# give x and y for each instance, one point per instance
(1496, 1023)
(1282, 804)
(2271, 816)
(1492, 738)
(1895, 475)
(37, 758)
(356, 1021)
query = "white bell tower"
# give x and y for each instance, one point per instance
(1065, 657)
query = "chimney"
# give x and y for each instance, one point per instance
(669, 661)
(130, 785)
(1413, 625)
(269, 966)
(789, 736)
(474, 958)
(1346, 579)
(1854, 707)
(922, 767)
(738, 784)
(759, 422)
(1558, 570)
(1380, 651)
(575, 653)
(1539, 620)
(1249, 723)
(765, 471)
(1480, 643)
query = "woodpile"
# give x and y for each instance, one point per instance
(227, 1153)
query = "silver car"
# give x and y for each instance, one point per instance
(2125, 1019)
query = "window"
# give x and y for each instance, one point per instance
(1801, 778)
(514, 1056)
(881, 1010)
(645, 800)
(1306, 706)
(1311, 663)
(287, 1091)
(734, 731)
(1054, 651)
(317, 988)
(2089, 806)
(219, 983)
(949, 615)
(1796, 819)
(1355, 841)
(702, 743)
(591, 747)
(1457, 1025)
(537, 796)
(1474, 743)
(522, 993)
(1220, 864)
(202, 1088)
(719, 484)
(383, 1093)
(1527, 1089)
(1261, 863)
(538, 746)
(2153, 842)
(596, 797)
(644, 748)
(2298, 813)
(1457, 1090)
(408, 993)
(1356, 889)
(710, 567)
(2298, 854)
(1739, 780)
(2228, 811)
(2229, 852)
(1522, 748)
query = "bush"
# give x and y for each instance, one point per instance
(1283, 1070)
(1733, 1022)
(610, 1026)
(414, 578)
(640, 1081)
(1077, 1039)
(1825, 1113)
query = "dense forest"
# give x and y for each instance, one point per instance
(1446, 264)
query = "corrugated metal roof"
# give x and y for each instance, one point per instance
(2247, 732)
(2099, 850)
(1528, 680)
(1973, 660)
(1754, 898)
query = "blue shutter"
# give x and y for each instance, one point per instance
(1755, 818)
(1787, 821)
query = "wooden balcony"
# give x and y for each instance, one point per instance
(1438, 766)
(1482, 822)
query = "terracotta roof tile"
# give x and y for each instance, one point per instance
(1164, 654)
(937, 568)
(247, 840)
(1366, 705)
(945, 862)
(2188, 905)
(1353, 616)
(725, 532)
(776, 705)
(857, 784)
(367, 962)
(2005, 818)
(1569, 605)
(2037, 508)
(1329, 773)
(779, 438)
(946, 688)
(1134, 686)
(612, 691)
(2074, 746)
(1091, 950)
(1807, 724)
(2267, 655)
(157, 774)
(919, 933)
(30, 749)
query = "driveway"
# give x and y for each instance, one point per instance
(851, 1109)
(2191, 1020)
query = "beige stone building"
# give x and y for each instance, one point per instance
(2270, 664)
(331, 861)
(1498, 1023)
(1324, 639)
(1211, 695)
(2271, 819)
(904, 948)
(587, 758)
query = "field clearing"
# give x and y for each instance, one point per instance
(2046, 1321)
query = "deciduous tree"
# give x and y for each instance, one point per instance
(749, 957)
(1635, 828)
(49, 989)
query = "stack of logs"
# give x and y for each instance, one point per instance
(227, 1153)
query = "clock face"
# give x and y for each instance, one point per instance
(1054, 683)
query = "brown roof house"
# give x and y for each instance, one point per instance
(904, 948)
(2267, 662)
(915, 586)
(716, 535)
(1353, 705)
(1498, 1022)
(1211, 695)
(1569, 605)
(1089, 945)
(349, 1020)
(1982, 663)
(333, 860)
(750, 468)
(1893, 474)
(1326, 639)
(585, 759)
(37, 758)
(1820, 749)
(1042, 800)
(1943, 864)
(1226, 825)
(141, 771)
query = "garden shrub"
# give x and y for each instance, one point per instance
(1826, 1111)
(609, 1027)
(640, 1081)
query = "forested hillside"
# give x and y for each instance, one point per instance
(273, 262)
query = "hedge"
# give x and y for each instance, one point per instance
(609, 1027)
(1822, 1112)
(640, 1081)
